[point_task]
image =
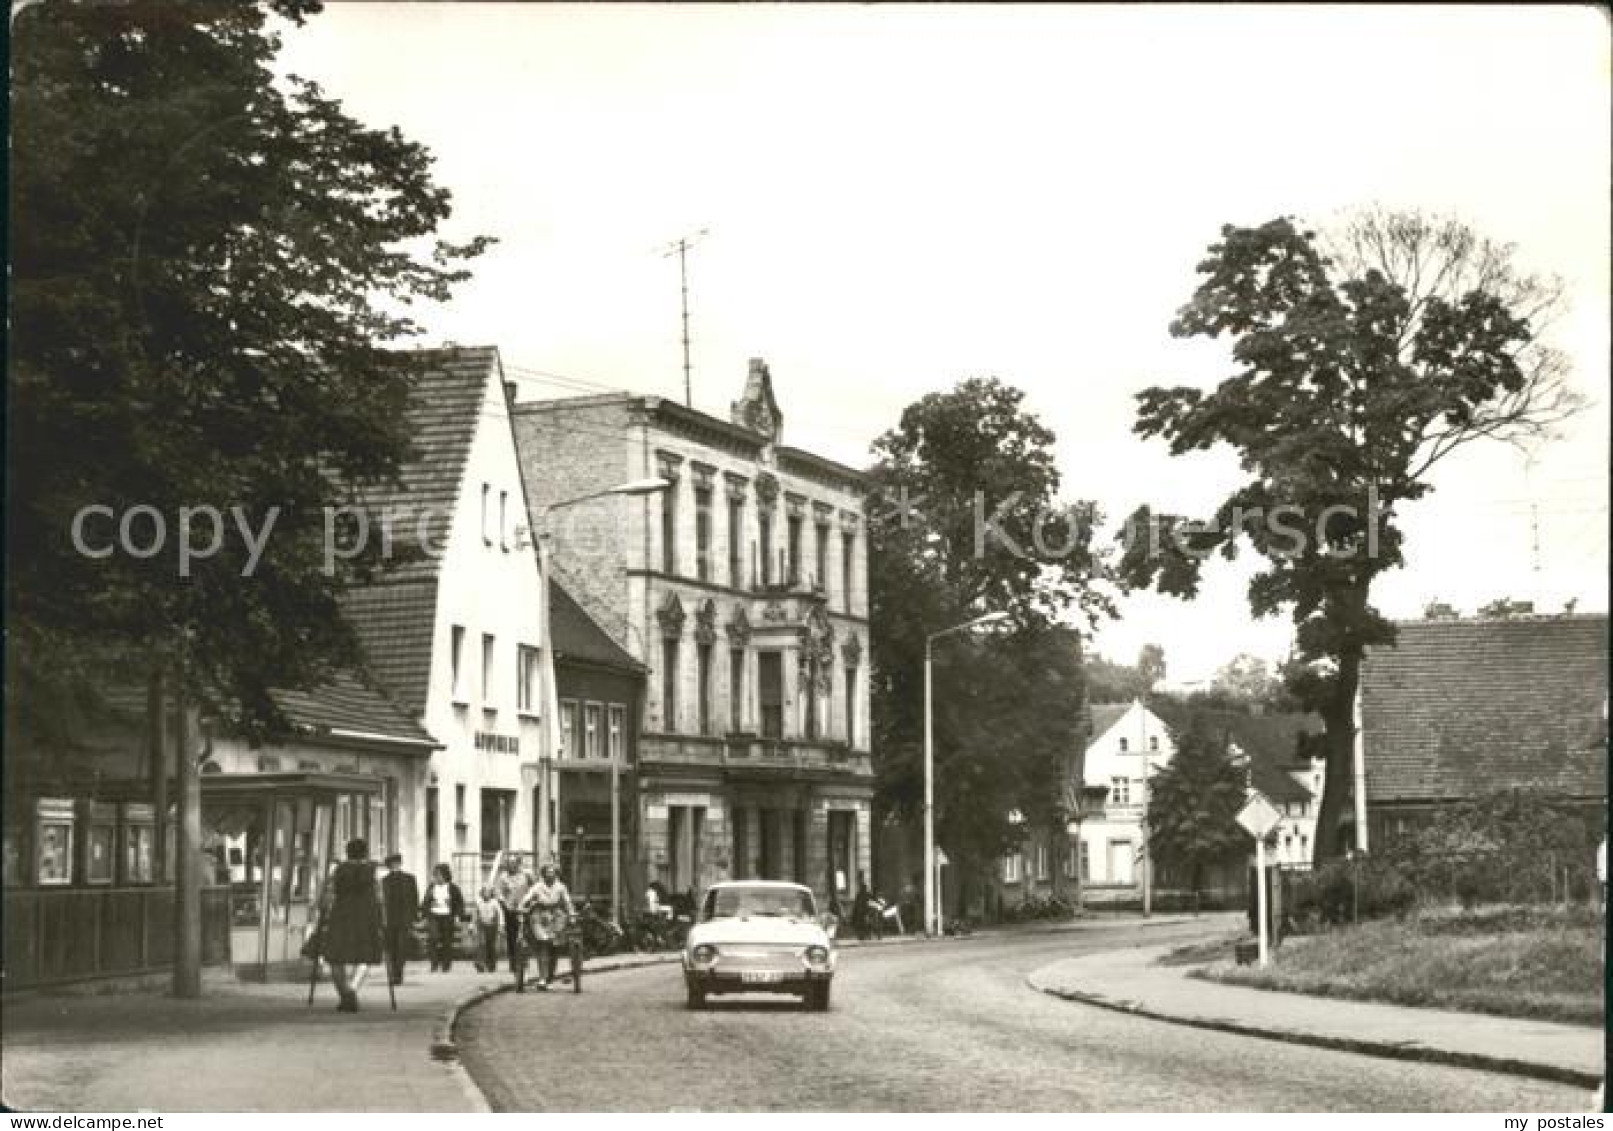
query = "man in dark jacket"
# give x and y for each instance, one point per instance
(400, 896)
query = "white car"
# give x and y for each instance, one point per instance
(759, 936)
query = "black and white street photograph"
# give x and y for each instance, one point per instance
(687, 558)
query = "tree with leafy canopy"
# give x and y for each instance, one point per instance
(1355, 377)
(1193, 803)
(965, 520)
(208, 263)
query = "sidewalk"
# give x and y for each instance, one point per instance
(1127, 980)
(248, 1047)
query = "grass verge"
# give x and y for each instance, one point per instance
(1512, 962)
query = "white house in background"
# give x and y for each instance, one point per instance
(1131, 741)
(458, 639)
(1128, 742)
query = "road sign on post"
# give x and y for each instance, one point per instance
(1258, 818)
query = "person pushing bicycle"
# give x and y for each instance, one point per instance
(549, 910)
(513, 886)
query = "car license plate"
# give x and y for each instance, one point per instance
(755, 976)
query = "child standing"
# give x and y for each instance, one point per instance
(489, 925)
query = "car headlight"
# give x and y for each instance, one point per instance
(817, 956)
(703, 955)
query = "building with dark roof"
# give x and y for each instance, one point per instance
(601, 693)
(742, 589)
(1460, 708)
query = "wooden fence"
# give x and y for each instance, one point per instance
(54, 936)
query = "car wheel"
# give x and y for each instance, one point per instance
(697, 997)
(817, 998)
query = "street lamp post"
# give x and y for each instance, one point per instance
(932, 925)
(550, 793)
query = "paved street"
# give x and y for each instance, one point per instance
(935, 1027)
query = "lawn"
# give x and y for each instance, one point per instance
(1516, 962)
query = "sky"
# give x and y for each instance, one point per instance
(885, 200)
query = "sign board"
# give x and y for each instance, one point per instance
(1258, 815)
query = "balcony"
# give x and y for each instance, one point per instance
(749, 752)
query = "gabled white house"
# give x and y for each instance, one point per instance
(458, 638)
(1128, 742)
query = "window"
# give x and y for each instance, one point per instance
(703, 660)
(459, 806)
(736, 542)
(1041, 860)
(1084, 861)
(568, 728)
(498, 807)
(702, 533)
(811, 689)
(794, 577)
(847, 565)
(1013, 866)
(528, 670)
(851, 706)
(736, 690)
(592, 731)
(821, 577)
(504, 521)
(1119, 791)
(770, 692)
(1153, 742)
(487, 537)
(669, 529)
(487, 670)
(669, 685)
(764, 525)
(685, 828)
(456, 658)
(616, 734)
(1125, 746)
(431, 823)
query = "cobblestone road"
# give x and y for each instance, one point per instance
(944, 1026)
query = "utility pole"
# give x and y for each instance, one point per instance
(681, 247)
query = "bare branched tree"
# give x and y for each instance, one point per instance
(1434, 256)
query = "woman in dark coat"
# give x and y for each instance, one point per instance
(351, 917)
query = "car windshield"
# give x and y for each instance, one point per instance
(730, 903)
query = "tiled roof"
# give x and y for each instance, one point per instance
(395, 615)
(1104, 716)
(345, 703)
(450, 386)
(1271, 743)
(1460, 708)
(394, 621)
(576, 635)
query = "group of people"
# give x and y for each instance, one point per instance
(873, 917)
(363, 919)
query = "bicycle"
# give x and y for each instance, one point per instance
(522, 941)
(568, 934)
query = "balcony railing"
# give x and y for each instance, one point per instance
(752, 750)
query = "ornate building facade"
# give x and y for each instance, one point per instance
(742, 588)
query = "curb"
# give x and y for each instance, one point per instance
(445, 1050)
(1389, 1050)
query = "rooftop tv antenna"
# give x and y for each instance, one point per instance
(680, 247)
